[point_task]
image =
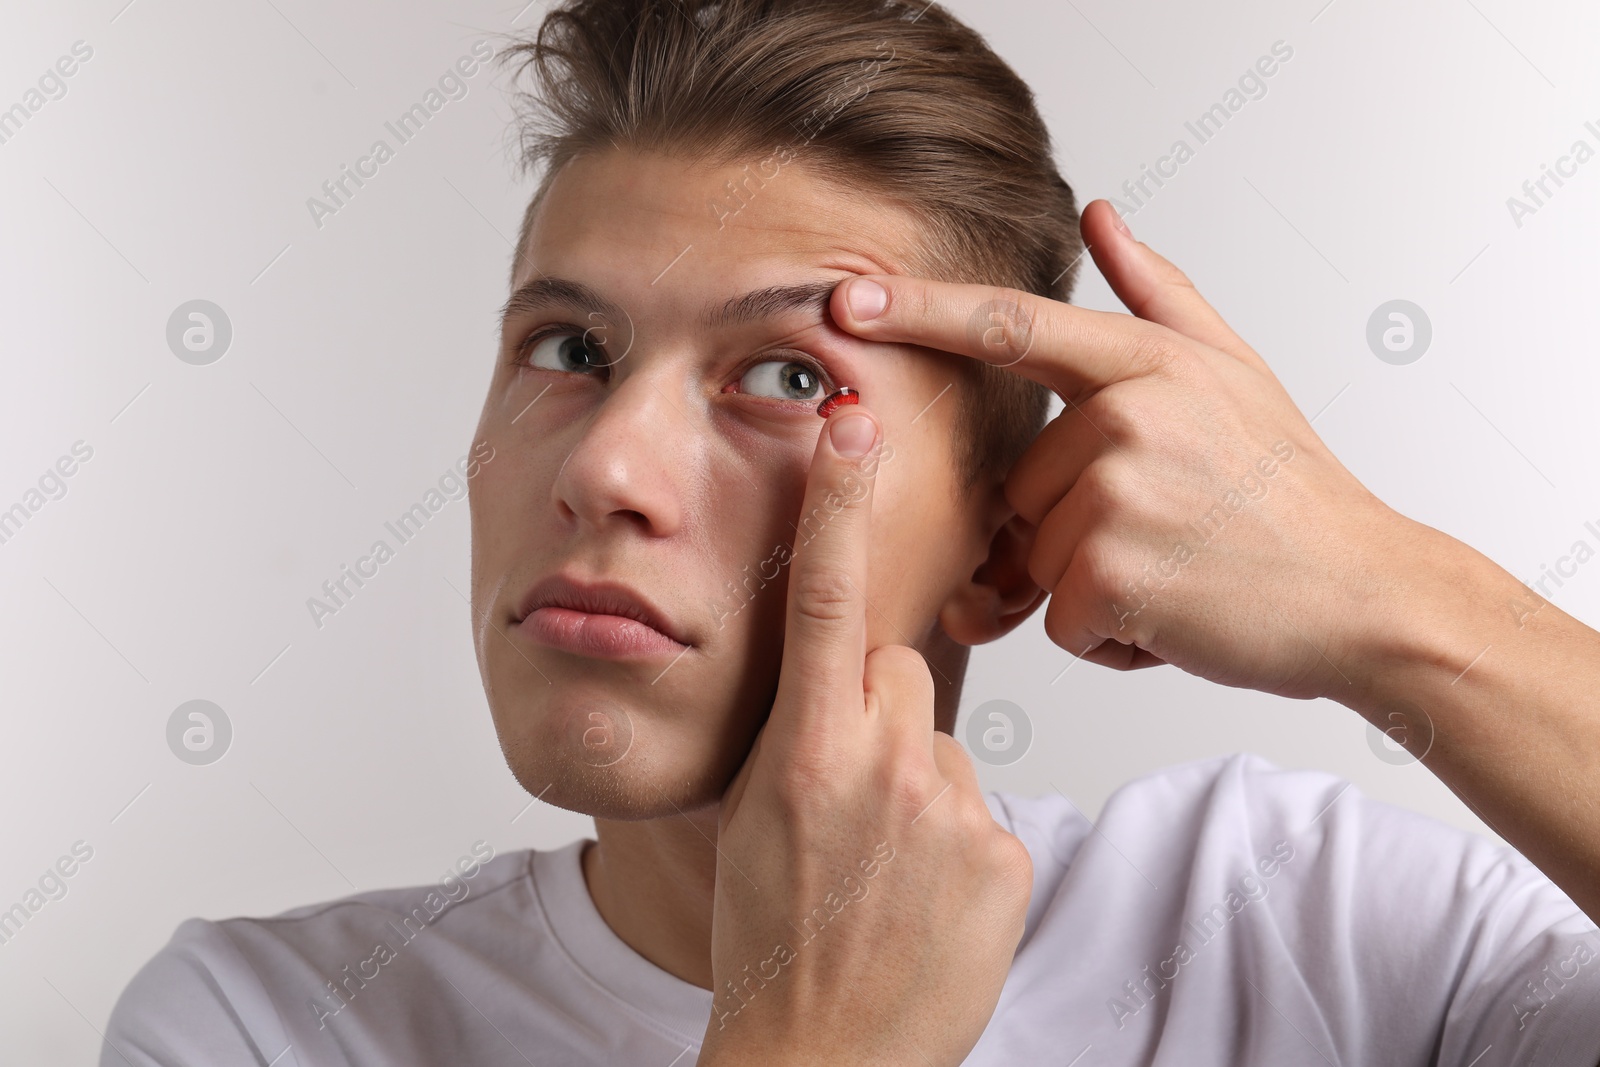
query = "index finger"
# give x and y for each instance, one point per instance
(1071, 350)
(824, 644)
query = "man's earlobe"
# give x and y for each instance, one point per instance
(1000, 594)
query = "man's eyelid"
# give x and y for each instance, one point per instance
(817, 364)
(793, 355)
(555, 326)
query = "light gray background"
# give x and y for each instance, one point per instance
(220, 497)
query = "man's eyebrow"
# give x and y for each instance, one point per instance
(543, 293)
(774, 301)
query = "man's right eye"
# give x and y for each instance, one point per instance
(566, 350)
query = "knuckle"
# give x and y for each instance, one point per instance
(849, 491)
(970, 824)
(953, 760)
(1019, 302)
(1156, 349)
(900, 780)
(1106, 487)
(951, 755)
(1075, 622)
(915, 298)
(973, 820)
(1119, 413)
(1101, 563)
(1005, 323)
(1062, 628)
(1020, 498)
(1012, 868)
(824, 595)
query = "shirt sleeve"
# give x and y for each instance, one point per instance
(1530, 991)
(1447, 934)
(196, 1003)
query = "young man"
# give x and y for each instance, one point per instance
(735, 633)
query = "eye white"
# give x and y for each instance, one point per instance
(782, 380)
(566, 352)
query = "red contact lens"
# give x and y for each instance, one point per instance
(846, 395)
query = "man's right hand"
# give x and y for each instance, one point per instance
(867, 905)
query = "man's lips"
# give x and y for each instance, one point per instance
(603, 619)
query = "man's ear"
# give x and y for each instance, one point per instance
(1000, 593)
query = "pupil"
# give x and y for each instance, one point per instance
(801, 379)
(578, 353)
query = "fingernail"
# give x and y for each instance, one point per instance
(867, 299)
(1122, 223)
(852, 435)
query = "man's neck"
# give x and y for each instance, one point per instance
(653, 882)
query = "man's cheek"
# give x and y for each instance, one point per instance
(513, 485)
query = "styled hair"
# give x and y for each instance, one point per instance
(895, 98)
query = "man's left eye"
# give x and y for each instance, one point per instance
(782, 380)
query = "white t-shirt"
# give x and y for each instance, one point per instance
(1222, 913)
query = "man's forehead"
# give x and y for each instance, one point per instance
(664, 217)
(715, 193)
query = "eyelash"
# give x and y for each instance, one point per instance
(519, 358)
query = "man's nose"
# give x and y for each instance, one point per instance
(630, 463)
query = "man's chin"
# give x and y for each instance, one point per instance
(621, 794)
(604, 752)
(599, 762)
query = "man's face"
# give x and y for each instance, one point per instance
(650, 459)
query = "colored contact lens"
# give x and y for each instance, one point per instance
(846, 395)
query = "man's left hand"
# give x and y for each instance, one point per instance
(1186, 511)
